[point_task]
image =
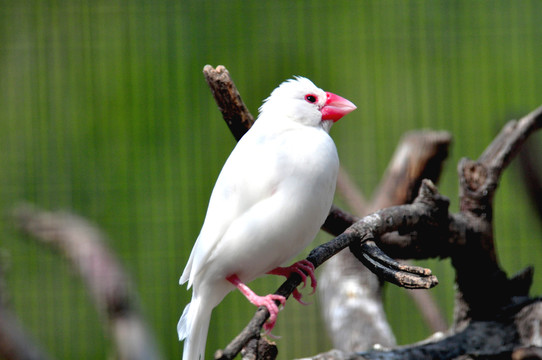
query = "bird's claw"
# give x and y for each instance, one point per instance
(302, 268)
(269, 301)
(297, 295)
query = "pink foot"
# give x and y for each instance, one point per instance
(300, 267)
(269, 301)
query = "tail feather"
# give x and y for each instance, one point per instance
(193, 327)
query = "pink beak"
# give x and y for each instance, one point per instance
(336, 107)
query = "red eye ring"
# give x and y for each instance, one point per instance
(311, 98)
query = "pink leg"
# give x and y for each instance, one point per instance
(300, 267)
(268, 301)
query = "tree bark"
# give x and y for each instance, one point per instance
(350, 294)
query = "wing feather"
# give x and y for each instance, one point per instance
(248, 176)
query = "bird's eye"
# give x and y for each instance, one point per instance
(310, 98)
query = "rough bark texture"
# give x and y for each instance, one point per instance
(483, 288)
(351, 294)
(228, 100)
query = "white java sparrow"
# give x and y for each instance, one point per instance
(269, 201)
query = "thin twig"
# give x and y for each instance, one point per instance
(232, 107)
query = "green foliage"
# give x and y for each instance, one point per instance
(104, 111)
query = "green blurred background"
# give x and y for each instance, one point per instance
(104, 111)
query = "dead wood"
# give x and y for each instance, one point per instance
(108, 284)
(351, 294)
(15, 342)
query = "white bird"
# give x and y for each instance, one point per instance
(269, 201)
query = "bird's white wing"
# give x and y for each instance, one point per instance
(248, 177)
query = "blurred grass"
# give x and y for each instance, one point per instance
(104, 111)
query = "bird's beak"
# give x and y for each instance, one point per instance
(336, 107)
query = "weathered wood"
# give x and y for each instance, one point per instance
(350, 294)
(228, 100)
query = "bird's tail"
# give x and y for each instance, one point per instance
(193, 327)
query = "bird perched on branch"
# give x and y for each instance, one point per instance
(269, 201)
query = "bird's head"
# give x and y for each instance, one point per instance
(301, 101)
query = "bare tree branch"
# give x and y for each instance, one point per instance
(259, 349)
(233, 109)
(493, 312)
(419, 155)
(359, 237)
(350, 294)
(338, 221)
(496, 339)
(479, 277)
(84, 245)
(489, 339)
(531, 171)
(509, 141)
(15, 342)
(351, 193)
